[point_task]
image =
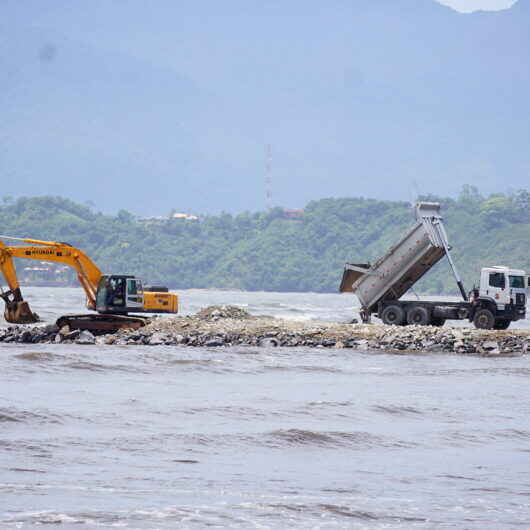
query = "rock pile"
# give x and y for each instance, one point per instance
(216, 312)
(230, 326)
(45, 334)
(446, 339)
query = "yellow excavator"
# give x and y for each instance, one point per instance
(113, 297)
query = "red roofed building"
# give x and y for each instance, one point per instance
(293, 213)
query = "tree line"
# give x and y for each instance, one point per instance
(271, 251)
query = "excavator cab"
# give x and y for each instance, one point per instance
(119, 294)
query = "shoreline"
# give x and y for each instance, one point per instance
(227, 326)
(74, 285)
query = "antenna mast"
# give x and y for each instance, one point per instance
(268, 177)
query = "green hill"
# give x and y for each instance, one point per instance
(273, 252)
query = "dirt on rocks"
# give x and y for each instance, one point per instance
(216, 312)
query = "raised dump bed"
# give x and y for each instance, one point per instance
(403, 265)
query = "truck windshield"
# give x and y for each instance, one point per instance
(517, 282)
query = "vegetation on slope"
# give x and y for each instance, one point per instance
(267, 251)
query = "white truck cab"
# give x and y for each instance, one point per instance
(504, 291)
(503, 285)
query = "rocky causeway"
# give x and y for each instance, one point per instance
(217, 326)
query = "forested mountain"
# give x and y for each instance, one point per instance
(151, 106)
(278, 250)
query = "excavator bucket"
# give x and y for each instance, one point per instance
(20, 313)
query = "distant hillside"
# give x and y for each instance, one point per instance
(271, 251)
(172, 104)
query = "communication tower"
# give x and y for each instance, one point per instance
(268, 177)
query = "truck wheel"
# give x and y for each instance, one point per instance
(484, 319)
(393, 315)
(436, 321)
(502, 324)
(418, 315)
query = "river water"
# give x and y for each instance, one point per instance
(171, 437)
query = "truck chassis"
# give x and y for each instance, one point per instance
(481, 311)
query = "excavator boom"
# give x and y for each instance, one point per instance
(17, 310)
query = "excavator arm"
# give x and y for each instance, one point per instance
(17, 310)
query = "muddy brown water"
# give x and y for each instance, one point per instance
(169, 437)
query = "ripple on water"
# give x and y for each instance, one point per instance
(304, 368)
(397, 410)
(459, 438)
(330, 403)
(100, 367)
(242, 515)
(38, 356)
(59, 362)
(40, 416)
(194, 443)
(356, 440)
(25, 470)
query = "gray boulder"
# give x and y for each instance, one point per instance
(85, 337)
(26, 336)
(179, 339)
(491, 347)
(72, 335)
(50, 329)
(157, 338)
(268, 342)
(214, 342)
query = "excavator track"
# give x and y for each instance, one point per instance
(101, 323)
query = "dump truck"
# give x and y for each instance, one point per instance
(499, 300)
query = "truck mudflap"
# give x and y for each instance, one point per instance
(352, 273)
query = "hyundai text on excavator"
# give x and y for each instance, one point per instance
(113, 297)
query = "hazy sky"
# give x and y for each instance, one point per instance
(173, 107)
(472, 5)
